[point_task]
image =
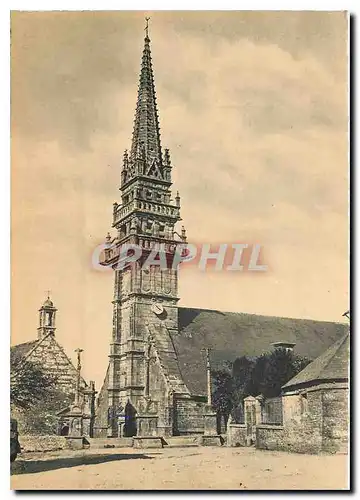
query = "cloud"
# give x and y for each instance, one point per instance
(253, 107)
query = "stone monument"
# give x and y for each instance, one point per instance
(75, 438)
(210, 436)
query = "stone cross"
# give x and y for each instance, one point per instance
(78, 377)
(147, 19)
(208, 372)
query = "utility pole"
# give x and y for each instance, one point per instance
(78, 378)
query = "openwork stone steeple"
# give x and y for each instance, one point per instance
(146, 135)
(143, 368)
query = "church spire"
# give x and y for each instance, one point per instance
(146, 134)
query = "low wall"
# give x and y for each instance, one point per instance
(236, 435)
(301, 431)
(41, 443)
(299, 436)
(100, 432)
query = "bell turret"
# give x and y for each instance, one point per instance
(47, 315)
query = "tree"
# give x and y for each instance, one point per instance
(278, 368)
(255, 384)
(29, 384)
(281, 367)
(246, 376)
(42, 417)
(264, 375)
(35, 398)
(223, 393)
(241, 372)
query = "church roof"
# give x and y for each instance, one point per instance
(54, 353)
(19, 351)
(48, 303)
(331, 365)
(231, 335)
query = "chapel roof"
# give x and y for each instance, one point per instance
(331, 366)
(19, 351)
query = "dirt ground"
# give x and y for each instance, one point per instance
(198, 468)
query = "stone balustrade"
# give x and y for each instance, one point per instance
(145, 206)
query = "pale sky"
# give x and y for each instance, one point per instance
(253, 107)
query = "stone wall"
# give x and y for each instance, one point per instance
(320, 424)
(300, 433)
(236, 435)
(41, 443)
(188, 416)
(335, 420)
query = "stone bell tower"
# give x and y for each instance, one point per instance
(47, 316)
(143, 371)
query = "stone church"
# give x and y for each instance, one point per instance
(156, 378)
(47, 352)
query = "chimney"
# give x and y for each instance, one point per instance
(288, 346)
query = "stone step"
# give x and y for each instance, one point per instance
(183, 441)
(99, 443)
(172, 442)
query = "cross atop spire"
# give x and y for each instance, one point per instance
(48, 302)
(147, 19)
(146, 134)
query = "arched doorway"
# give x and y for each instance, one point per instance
(64, 431)
(130, 428)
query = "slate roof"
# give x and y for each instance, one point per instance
(19, 351)
(167, 358)
(331, 366)
(232, 335)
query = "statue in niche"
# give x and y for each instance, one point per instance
(155, 228)
(134, 225)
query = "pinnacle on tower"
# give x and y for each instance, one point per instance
(146, 134)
